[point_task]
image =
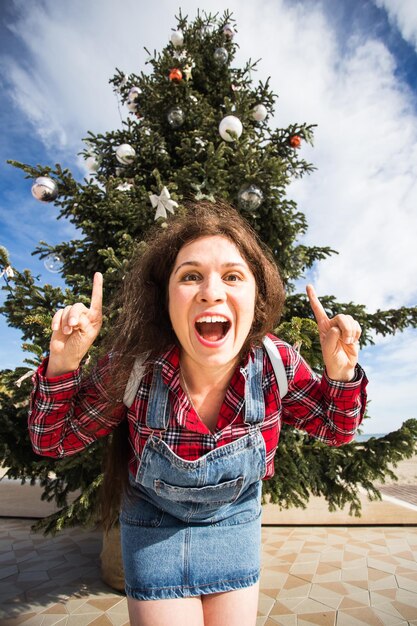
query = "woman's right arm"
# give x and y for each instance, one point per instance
(66, 415)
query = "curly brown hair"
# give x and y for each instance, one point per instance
(143, 323)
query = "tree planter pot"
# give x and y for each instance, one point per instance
(111, 560)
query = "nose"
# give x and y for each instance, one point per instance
(212, 290)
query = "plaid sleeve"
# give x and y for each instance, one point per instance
(66, 414)
(328, 410)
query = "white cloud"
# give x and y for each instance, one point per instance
(30, 94)
(402, 13)
(392, 371)
(361, 200)
(72, 51)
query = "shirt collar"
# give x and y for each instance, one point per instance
(169, 361)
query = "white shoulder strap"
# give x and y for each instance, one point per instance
(277, 364)
(135, 377)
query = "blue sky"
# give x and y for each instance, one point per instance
(348, 65)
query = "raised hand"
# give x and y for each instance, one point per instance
(339, 339)
(74, 330)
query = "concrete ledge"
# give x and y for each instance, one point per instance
(18, 500)
(389, 511)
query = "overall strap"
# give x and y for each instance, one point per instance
(157, 414)
(277, 364)
(254, 397)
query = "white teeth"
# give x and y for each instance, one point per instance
(212, 318)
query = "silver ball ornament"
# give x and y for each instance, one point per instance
(175, 117)
(250, 197)
(45, 189)
(259, 112)
(53, 263)
(125, 154)
(220, 56)
(230, 124)
(177, 38)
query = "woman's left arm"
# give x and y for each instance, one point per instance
(330, 409)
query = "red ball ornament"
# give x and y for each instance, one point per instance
(175, 75)
(295, 141)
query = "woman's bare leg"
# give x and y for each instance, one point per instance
(234, 608)
(175, 612)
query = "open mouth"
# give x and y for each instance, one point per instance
(212, 328)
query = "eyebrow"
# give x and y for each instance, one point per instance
(198, 264)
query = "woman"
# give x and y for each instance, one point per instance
(204, 420)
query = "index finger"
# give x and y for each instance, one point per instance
(318, 310)
(97, 293)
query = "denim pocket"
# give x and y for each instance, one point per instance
(139, 512)
(224, 493)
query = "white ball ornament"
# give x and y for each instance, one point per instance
(230, 124)
(45, 189)
(124, 186)
(134, 93)
(132, 101)
(259, 112)
(92, 163)
(125, 154)
(229, 31)
(177, 38)
(132, 105)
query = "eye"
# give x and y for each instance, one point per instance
(190, 277)
(233, 278)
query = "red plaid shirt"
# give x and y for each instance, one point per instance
(328, 410)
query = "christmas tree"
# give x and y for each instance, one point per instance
(198, 128)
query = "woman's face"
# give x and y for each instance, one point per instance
(212, 295)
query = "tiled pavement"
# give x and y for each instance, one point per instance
(321, 575)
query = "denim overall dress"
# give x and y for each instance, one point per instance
(194, 527)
